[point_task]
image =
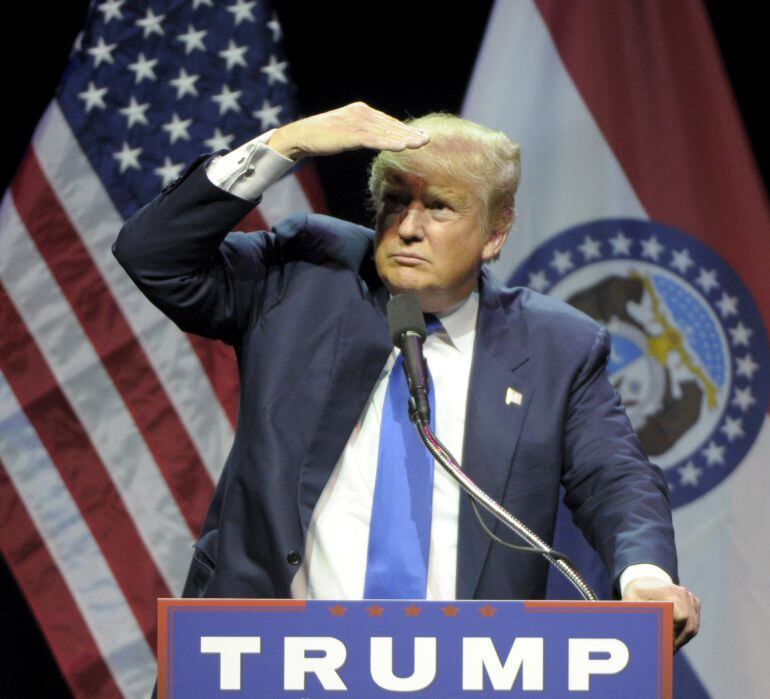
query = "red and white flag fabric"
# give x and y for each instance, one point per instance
(114, 424)
(640, 204)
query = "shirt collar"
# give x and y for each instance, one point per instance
(460, 323)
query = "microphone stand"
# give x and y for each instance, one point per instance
(450, 465)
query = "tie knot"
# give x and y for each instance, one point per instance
(432, 324)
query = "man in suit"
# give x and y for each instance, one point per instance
(520, 386)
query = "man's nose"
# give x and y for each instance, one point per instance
(410, 226)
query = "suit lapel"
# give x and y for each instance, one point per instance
(362, 346)
(498, 398)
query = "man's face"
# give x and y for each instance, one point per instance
(431, 240)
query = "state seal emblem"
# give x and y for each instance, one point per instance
(690, 355)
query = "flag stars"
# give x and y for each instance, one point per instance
(127, 157)
(651, 248)
(743, 398)
(185, 84)
(621, 244)
(727, 305)
(562, 261)
(169, 171)
(150, 24)
(234, 55)
(741, 335)
(268, 115)
(135, 112)
(707, 279)
(93, 96)
(102, 52)
(275, 71)
(177, 128)
(681, 260)
(746, 366)
(143, 68)
(590, 249)
(198, 3)
(192, 39)
(733, 428)
(227, 100)
(714, 454)
(538, 281)
(242, 10)
(111, 10)
(219, 141)
(275, 27)
(689, 474)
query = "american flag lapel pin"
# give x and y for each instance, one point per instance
(513, 397)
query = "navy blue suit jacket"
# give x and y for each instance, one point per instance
(304, 309)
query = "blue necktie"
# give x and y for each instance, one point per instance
(399, 533)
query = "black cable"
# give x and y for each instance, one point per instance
(516, 547)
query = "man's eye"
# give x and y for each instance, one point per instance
(439, 205)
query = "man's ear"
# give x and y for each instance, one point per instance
(497, 237)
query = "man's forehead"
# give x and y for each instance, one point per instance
(429, 183)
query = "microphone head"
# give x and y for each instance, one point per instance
(405, 315)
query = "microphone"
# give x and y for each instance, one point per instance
(407, 329)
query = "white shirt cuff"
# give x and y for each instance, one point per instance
(250, 169)
(642, 570)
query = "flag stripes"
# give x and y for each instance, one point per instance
(117, 348)
(65, 629)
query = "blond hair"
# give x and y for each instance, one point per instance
(462, 152)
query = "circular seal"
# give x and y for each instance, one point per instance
(690, 356)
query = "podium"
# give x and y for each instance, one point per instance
(214, 648)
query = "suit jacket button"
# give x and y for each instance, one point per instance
(294, 557)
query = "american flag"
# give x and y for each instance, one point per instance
(113, 423)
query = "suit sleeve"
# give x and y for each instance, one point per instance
(178, 251)
(617, 497)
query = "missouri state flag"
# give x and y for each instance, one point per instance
(641, 205)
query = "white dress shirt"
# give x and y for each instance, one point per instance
(334, 565)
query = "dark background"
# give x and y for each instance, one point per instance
(402, 57)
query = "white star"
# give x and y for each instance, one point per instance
(185, 84)
(127, 157)
(150, 24)
(681, 260)
(275, 71)
(275, 26)
(538, 281)
(111, 10)
(169, 171)
(621, 245)
(219, 141)
(562, 261)
(227, 99)
(93, 96)
(707, 279)
(727, 305)
(143, 68)
(78, 45)
(741, 334)
(268, 115)
(732, 428)
(714, 454)
(234, 55)
(590, 248)
(102, 52)
(689, 474)
(746, 366)
(743, 398)
(177, 128)
(135, 112)
(193, 39)
(242, 10)
(198, 3)
(652, 248)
